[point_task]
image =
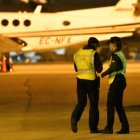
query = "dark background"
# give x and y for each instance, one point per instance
(54, 5)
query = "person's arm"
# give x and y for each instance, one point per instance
(97, 63)
(116, 65)
(75, 67)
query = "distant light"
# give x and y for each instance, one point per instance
(18, 58)
(60, 51)
(27, 60)
(13, 53)
(38, 1)
(25, 1)
(30, 54)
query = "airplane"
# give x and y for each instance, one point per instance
(25, 32)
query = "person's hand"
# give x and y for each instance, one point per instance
(103, 75)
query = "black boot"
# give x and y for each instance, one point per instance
(94, 131)
(123, 131)
(73, 125)
(107, 131)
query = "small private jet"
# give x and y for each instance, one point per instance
(25, 32)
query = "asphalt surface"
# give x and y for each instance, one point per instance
(36, 102)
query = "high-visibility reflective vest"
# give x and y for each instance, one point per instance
(84, 60)
(123, 71)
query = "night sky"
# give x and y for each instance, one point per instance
(54, 5)
(67, 1)
(85, 1)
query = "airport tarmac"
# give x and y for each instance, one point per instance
(36, 102)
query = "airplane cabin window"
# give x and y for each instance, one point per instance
(66, 23)
(4, 22)
(16, 22)
(27, 22)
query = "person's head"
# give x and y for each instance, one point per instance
(94, 42)
(115, 43)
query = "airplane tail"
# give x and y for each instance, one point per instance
(124, 8)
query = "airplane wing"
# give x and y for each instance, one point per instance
(7, 44)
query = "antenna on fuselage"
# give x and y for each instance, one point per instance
(38, 9)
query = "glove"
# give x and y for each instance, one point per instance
(103, 75)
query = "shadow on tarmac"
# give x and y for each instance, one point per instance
(132, 108)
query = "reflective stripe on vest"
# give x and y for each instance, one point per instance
(123, 71)
(84, 61)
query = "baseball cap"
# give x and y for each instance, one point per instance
(93, 40)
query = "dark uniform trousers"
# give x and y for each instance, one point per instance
(87, 88)
(115, 99)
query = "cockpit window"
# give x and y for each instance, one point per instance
(16, 22)
(27, 22)
(4, 22)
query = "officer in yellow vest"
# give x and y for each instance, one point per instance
(117, 82)
(87, 63)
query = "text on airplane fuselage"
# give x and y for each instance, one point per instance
(55, 40)
(124, 9)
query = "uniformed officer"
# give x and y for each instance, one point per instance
(117, 82)
(87, 63)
